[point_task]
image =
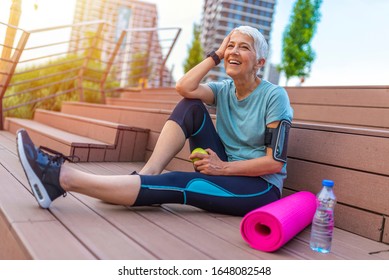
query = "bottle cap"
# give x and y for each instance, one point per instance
(328, 183)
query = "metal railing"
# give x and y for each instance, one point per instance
(10, 55)
(47, 67)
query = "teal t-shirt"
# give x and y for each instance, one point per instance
(241, 124)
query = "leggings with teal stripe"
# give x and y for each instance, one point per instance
(233, 195)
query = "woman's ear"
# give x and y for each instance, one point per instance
(261, 62)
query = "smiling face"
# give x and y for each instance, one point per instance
(240, 57)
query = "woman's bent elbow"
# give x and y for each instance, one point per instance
(178, 86)
(180, 89)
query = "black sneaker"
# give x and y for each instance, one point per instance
(42, 169)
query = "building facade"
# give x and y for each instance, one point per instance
(140, 54)
(221, 16)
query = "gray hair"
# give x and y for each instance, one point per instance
(260, 45)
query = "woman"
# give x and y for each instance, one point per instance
(243, 170)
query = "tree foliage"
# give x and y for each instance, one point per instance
(195, 51)
(297, 53)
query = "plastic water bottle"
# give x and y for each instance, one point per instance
(323, 221)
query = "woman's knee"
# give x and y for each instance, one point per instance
(189, 114)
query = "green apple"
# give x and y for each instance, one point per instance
(200, 151)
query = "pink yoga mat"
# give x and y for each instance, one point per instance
(269, 227)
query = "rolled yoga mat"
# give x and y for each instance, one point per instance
(269, 227)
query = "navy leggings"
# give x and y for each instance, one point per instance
(233, 195)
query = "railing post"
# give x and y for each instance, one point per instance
(150, 46)
(88, 56)
(13, 23)
(5, 80)
(167, 56)
(110, 63)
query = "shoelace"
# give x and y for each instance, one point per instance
(58, 157)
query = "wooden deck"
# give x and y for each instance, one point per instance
(79, 227)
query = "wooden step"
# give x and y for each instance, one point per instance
(97, 129)
(161, 90)
(358, 96)
(148, 118)
(362, 116)
(59, 140)
(129, 142)
(152, 119)
(168, 94)
(360, 106)
(127, 148)
(152, 96)
(148, 102)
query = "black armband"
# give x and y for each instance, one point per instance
(277, 139)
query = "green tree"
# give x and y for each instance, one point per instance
(297, 53)
(195, 51)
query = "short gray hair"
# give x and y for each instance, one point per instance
(260, 45)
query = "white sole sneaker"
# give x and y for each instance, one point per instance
(36, 185)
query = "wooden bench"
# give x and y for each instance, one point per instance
(358, 163)
(342, 133)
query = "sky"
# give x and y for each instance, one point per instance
(351, 42)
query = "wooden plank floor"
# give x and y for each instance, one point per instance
(79, 227)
